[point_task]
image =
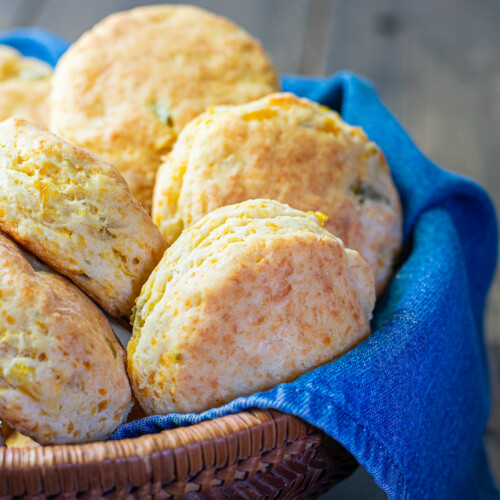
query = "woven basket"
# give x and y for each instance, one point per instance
(254, 454)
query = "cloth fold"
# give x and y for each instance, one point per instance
(411, 402)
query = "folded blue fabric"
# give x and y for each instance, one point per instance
(411, 402)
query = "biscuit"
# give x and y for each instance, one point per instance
(250, 296)
(161, 67)
(291, 150)
(76, 213)
(24, 87)
(62, 371)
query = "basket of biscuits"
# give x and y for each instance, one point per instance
(182, 245)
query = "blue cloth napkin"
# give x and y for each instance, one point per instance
(412, 401)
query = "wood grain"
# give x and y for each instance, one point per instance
(269, 21)
(317, 35)
(15, 13)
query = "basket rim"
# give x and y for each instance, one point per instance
(254, 451)
(220, 428)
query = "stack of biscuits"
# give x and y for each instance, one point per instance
(160, 177)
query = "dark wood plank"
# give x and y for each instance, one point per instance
(28, 12)
(493, 432)
(268, 20)
(14, 13)
(317, 35)
(359, 486)
(440, 82)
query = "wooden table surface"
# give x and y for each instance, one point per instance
(436, 64)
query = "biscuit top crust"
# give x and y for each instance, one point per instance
(292, 150)
(251, 295)
(62, 373)
(24, 86)
(161, 67)
(76, 213)
(14, 66)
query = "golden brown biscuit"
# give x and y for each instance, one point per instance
(291, 150)
(24, 86)
(14, 439)
(251, 295)
(77, 214)
(162, 66)
(62, 371)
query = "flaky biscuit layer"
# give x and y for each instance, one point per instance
(77, 214)
(291, 150)
(251, 295)
(62, 371)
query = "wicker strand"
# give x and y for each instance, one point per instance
(253, 454)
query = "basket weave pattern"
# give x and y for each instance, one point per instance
(254, 454)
